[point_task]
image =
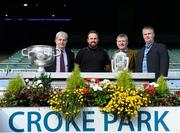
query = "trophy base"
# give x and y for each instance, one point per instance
(41, 70)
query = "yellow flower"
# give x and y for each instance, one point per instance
(67, 113)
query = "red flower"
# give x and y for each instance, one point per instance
(92, 79)
(151, 90)
(88, 79)
(178, 93)
(97, 80)
(85, 91)
(145, 85)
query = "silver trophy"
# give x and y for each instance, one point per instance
(40, 55)
(119, 62)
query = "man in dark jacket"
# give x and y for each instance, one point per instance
(154, 56)
(64, 63)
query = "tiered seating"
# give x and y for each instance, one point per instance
(174, 60)
(111, 52)
(17, 62)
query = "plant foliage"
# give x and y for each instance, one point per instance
(124, 79)
(70, 101)
(27, 93)
(163, 88)
(15, 84)
(75, 80)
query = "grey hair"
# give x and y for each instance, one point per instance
(148, 27)
(62, 33)
(123, 35)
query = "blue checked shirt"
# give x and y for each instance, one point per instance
(144, 64)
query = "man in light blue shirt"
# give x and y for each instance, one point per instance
(154, 56)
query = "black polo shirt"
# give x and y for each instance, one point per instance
(92, 60)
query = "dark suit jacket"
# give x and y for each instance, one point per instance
(70, 60)
(157, 60)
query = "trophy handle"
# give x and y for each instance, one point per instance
(22, 52)
(112, 65)
(58, 52)
(127, 62)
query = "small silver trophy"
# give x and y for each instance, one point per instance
(119, 62)
(40, 55)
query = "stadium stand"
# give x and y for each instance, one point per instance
(174, 60)
(17, 61)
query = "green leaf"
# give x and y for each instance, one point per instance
(124, 79)
(75, 80)
(15, 84)
(163, 88)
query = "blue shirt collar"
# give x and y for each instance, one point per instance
(148, 45)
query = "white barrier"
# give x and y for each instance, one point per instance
(43, 119)
(58, 79)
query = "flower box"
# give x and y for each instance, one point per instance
(43, 119)
(73, 108)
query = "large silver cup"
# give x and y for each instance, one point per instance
(40, 55)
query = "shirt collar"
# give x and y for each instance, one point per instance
(62, 49)
(125, 50)
(148, 45)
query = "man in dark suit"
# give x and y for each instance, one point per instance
(154, 56)
(65, 61)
